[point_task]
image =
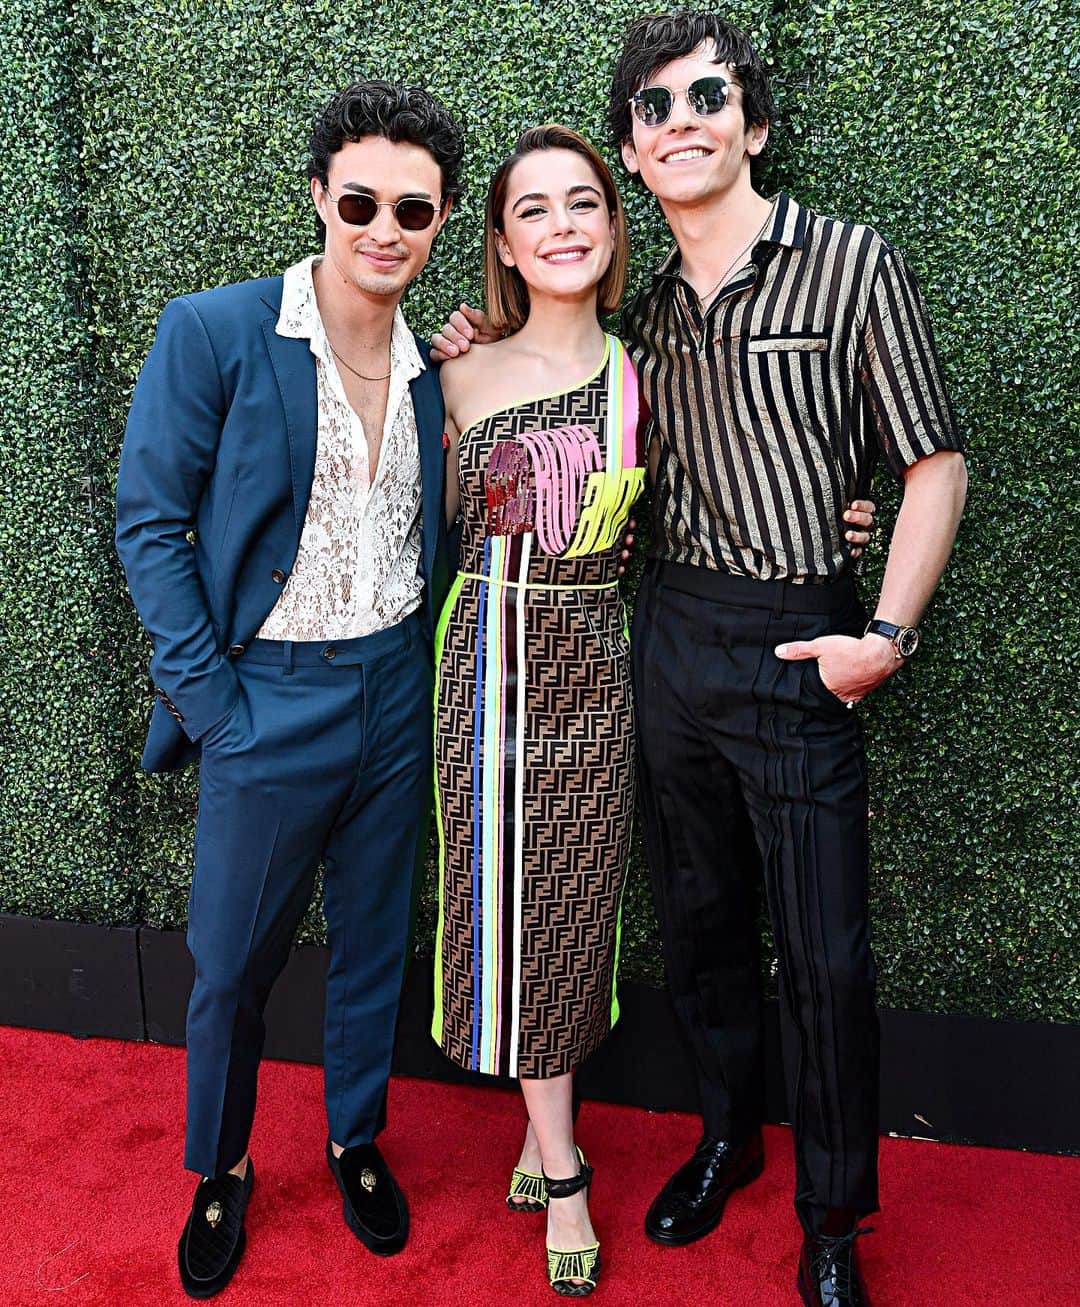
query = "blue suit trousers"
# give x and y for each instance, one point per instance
(327, 758)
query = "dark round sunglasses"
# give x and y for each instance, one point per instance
(652, 106)
(358, 209)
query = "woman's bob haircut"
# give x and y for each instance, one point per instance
(505, 291)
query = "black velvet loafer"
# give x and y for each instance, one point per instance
(213, 1240)
(374, 1207)
(829, 1273)
(692, 1202)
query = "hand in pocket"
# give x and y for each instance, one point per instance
(233, 727)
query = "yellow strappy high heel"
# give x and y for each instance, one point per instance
(531, 1187)
(582, 1264)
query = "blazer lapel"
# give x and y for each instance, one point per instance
(428, 407)
(294, 371)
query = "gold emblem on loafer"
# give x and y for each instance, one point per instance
(214, 1213)
(368, 1179)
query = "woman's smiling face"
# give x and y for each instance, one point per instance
(556, 229)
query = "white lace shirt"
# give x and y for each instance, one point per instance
(357, 569)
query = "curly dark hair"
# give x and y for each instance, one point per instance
(400, 113)
(652, 42)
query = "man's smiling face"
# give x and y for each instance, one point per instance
(382, 257)
(692, 158)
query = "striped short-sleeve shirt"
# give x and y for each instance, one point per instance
(774, 406)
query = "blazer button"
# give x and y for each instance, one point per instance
(278, 575)
(329, 653)
(235, 650)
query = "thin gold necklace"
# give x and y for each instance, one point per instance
(355, 371)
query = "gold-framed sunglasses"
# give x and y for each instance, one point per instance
(358, 209)
(652, 105)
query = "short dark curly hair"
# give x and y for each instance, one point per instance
(400, 113)
(656, 40)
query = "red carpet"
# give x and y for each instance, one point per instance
(94, 1197)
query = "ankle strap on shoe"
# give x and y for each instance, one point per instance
(575, 1184)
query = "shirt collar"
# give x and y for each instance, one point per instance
(300, 318)
(788, 228)
(789, 223)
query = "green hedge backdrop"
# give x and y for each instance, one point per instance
(155, 148)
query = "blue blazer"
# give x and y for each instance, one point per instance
(213, 489)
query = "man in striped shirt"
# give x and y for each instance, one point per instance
(782, 354)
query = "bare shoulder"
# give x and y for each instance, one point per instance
(467, 378)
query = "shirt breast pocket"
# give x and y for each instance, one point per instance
(796, 344)
(787, 381)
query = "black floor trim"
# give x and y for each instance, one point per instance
(953, 1078)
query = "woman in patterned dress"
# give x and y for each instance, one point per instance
(535, 734)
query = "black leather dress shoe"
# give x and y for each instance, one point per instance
(213, 1240)
(692, 1202)
(375, 1208)
(829, 1271)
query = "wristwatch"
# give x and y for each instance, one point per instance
(904, 639)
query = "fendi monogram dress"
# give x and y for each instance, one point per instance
(535, 732)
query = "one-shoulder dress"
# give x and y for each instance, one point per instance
(534, 748)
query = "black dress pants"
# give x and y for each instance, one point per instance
(751, 768)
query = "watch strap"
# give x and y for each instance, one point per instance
(904, 639)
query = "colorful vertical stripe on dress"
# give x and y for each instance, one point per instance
(609, 494)
(497, 802)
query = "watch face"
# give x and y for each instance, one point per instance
(907, 642)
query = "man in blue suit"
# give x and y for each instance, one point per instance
(280, 520)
